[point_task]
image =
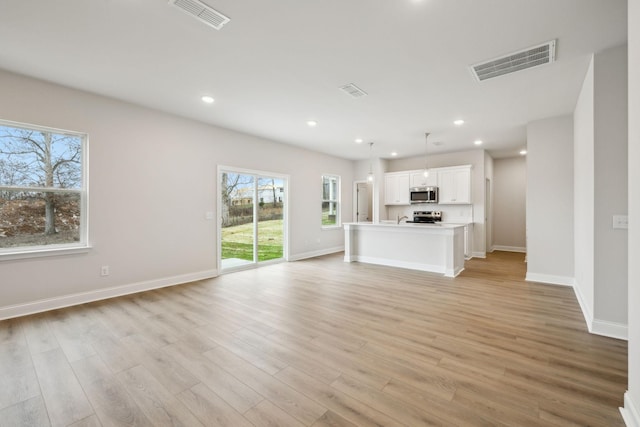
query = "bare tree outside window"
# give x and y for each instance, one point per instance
(41, 186)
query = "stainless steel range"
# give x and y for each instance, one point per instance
(428, 217)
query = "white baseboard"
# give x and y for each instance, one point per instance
(586, 310)
(630, 412)
(549, 279)
(610, 329)
(313, 254)
(600, 327)
(509, 248)
(478, 254)
(100, 294)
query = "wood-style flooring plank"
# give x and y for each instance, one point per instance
(236, 393)
(63, 395)
(288, 399)
(266, 414)
(18, 380)
(395, 408)
(341, 403)
(91, 421)
(158, 404)
(319, 342)
(172, 375)
(39, 335)
(113, 404)
(26, 413)
(331, 419)
(211, 409)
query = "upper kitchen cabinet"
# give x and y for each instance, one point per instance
(454, 185)
(396, 188)
(419, 180)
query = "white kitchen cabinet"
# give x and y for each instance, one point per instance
(419, 180)
(396, 188)
(454, 185)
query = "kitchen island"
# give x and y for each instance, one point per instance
(438, 248)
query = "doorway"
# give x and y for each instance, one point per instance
(362, 211)
(253, 220)
(487, 216)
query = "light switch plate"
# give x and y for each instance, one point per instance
(620, 221)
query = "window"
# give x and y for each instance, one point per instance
(42, 189)
(330, 201)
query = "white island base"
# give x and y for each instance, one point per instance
(427, 247)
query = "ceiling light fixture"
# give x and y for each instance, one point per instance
(207, 99)
(359, 141)
(478, 142)
(370, 176)
(312, 123)
(458, 122)
(426, 144)
(523, 152)
(394, 154)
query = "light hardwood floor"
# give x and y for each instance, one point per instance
(318, 343)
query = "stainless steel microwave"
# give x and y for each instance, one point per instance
(423, 195)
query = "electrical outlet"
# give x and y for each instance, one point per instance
(104, 270)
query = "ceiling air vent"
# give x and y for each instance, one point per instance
(517, 61)
(353, 90)
(201, 12)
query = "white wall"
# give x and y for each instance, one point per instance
(631, 410)
(600, 179)
(489, 200)
(550, 200)
(509, 203)
(611, 129)
(475, 158)
(152, 177)
(584, 194)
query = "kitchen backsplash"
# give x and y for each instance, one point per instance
(457, 214)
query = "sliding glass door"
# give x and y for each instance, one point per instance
(252, 213)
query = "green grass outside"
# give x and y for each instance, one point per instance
(237, 241)
(328, 219)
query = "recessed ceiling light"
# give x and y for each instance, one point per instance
(458, 122)
(312, 123)
(477, 142)
(523, 152)
(394, 154)
(207, 99)
(359, 141)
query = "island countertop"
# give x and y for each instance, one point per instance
(426, 225)
(428, 247)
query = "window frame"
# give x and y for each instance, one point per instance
(82, 245)
(337, 200)
(257, 174)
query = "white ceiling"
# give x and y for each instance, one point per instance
(279, 63)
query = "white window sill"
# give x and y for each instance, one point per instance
(43, 252)
(331, 227)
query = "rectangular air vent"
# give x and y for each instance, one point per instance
(517, 61)
(201, 12)
(353, 90)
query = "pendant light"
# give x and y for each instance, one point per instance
(370, 176)
(426, 143)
